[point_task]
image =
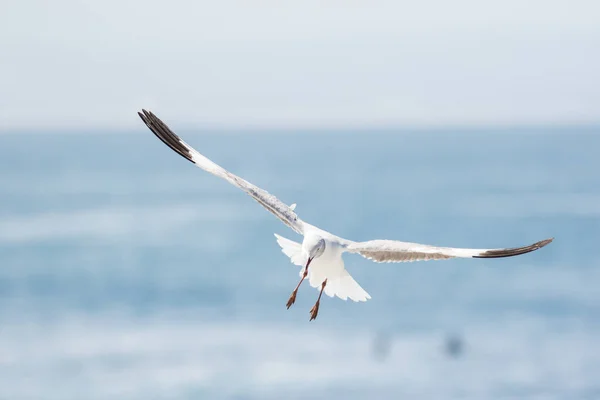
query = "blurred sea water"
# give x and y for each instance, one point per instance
(127, 273)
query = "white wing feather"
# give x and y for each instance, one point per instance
(282, 211)
(293, 250)
(395, 251)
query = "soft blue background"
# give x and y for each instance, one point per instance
(73, 64)
(127, 273)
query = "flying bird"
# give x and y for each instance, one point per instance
(320, 253)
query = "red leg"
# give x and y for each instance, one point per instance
(292, 298)
(315, 310)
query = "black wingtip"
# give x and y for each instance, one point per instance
(514, 251)
(145, 116)
(165, 134)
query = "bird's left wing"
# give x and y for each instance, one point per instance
(395, 251)
(267, 200)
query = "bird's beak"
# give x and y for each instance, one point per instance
(308, 262)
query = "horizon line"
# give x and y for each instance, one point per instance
(326, 128)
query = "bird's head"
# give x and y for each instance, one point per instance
(313, 247)
(317, 248)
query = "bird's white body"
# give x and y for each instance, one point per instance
(328, 266)
(321, 249)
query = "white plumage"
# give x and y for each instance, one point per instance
(320, 254)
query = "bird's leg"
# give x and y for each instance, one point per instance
(315, 310)
(292, 298)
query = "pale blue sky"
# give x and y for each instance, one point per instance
(228, 64)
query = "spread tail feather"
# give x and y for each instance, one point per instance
(344, 287)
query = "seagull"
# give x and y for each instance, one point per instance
(320, 250)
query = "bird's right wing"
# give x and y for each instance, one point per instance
(395, 251)
(267, 200)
